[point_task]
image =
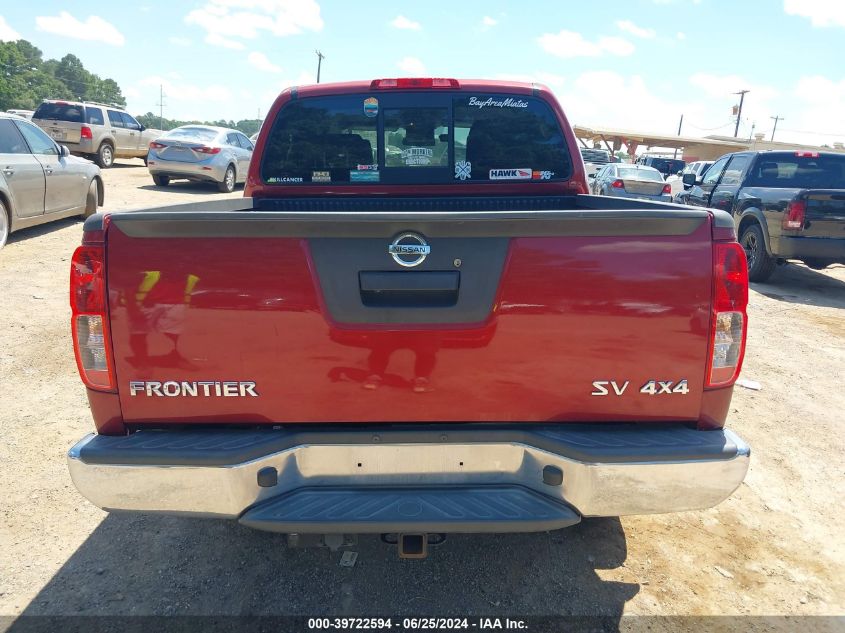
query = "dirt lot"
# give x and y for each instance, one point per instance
(773, 548)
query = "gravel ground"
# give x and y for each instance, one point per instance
(773, 548)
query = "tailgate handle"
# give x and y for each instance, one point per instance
(400, 289)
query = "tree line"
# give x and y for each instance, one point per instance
(151, 120)
(26, 79)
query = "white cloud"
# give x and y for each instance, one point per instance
(94, 28)
(215, 39)
(411, 66)
(488, 22)
(823, 102)
(819, 12)
(260, 61)
(179, 41)
(725, 85)
(553, 81)
(401, 22)
(303, 79)
(7, 33)
(226, 21)
(681, 35)
(633, 29)
(569, 44)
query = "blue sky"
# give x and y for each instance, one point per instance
(635, 64)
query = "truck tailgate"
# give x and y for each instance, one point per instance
(825, 216)
(511, 317)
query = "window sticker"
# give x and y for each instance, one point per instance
(523, 173)
(367, 167)
(463, 169)
(321, 176)
(363, 175)
(509, 102)
(417, 156)
(371, 107)
(284, 179)
(542, 175)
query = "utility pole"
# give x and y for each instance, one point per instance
(776, 118)
(160, 105)
(741, 94)
(320, 58)
(675, 154)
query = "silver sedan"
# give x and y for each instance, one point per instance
(631, 181)
(39, 180)
(203, 153)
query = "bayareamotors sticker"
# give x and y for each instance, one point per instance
(497, 103)
(511, 174)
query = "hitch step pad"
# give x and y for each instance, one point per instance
(431, 509)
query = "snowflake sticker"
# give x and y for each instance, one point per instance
(463, 170)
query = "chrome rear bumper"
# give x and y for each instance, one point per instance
(387, 479)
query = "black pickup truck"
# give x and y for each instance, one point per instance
(786, 205)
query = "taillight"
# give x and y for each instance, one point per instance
(807, 154)
(85, 132)
(207, 150)
(793, 219)
(157, 145)
(89, 325)
(414, 82)
(617, 184)
(667, 188)
(729, 321)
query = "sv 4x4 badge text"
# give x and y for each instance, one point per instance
(651, 388)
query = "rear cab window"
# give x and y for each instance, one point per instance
(192, 133)
(821, 171)
(60, 112)
(415, 138)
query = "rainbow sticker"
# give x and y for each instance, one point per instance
(371, 107)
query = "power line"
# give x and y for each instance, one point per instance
(783, 129)
(710, 129)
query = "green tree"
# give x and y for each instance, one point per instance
(26, 79)
(151, 120)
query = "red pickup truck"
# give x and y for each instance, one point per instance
(415, 322)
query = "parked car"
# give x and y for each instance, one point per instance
(39, 180)
(595, 158)
(573, 355)
(666, 166)
(631, 181)
(26, 114)
(786, 205)
(679, 191)
(203, 153)
(253, 138)
(94, 130)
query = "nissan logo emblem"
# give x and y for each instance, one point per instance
(409, 250)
